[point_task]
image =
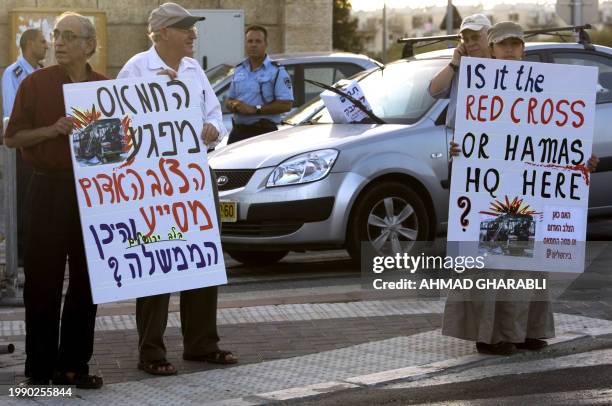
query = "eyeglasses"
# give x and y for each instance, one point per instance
(67, 36)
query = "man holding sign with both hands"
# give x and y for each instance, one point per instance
(172, 31)
(498, 327)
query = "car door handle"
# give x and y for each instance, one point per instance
(436, 155)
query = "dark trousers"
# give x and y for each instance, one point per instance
(242, 131)
(53, 232)
(198, 316)
(24, 174)
(198, 323)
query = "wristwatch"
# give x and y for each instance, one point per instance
(258, 109)
(453, 67)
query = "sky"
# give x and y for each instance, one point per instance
(377, 4)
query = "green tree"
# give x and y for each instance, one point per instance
(345, 37)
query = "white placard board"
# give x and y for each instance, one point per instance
(143, 186)
(341, 109)
(519, 192)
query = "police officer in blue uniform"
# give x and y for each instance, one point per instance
(260, 90)
(33, 50)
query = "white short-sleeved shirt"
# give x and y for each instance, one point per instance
(149, 63)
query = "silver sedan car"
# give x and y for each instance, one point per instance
(321, 185)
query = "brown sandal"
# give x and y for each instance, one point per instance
(159, 367)
(214, 357)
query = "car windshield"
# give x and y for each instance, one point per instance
(218, 73)
(398, 93)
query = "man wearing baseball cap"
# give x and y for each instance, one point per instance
(171, 15)
(172, 31)
(473, 34)
(506, 41)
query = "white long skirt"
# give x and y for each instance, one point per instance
(491, 320)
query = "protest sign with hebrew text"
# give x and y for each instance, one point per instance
(144, 188)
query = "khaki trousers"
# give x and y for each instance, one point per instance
(198, 316)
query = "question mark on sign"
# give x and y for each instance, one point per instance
(464, 203)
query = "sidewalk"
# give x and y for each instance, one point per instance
(286, 351)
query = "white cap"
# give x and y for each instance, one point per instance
(475, 22)
(171, 15)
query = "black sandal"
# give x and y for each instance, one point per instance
(81, 381)
(214, 357)
(531, 344)
(159, 367)
(501, 348)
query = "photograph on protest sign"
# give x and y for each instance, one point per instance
(100, 142)
(519, 191)
(507, 234)
(144, 188)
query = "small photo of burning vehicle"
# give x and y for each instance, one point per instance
(101, 142)
(508, 227)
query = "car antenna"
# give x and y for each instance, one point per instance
(583, 38)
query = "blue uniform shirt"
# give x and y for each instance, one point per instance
(267, 83)
(11, 78)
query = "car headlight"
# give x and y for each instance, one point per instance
(303, 168)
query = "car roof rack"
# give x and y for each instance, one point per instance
(583, 37)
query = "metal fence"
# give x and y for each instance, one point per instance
(8, 222)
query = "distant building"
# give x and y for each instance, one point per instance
(419, 22)
(293, 26)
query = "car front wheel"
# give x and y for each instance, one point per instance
(257, 258)
(391, 217)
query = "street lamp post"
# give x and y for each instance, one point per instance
(449, 17)
(577, 12)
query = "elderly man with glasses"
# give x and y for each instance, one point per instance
(39, 126)
(173, 33)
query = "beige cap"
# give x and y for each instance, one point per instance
(171, 15)
(504, 30)
(475, 22)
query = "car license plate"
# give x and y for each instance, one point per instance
(229, 211)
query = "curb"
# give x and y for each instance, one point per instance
(571, 342)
